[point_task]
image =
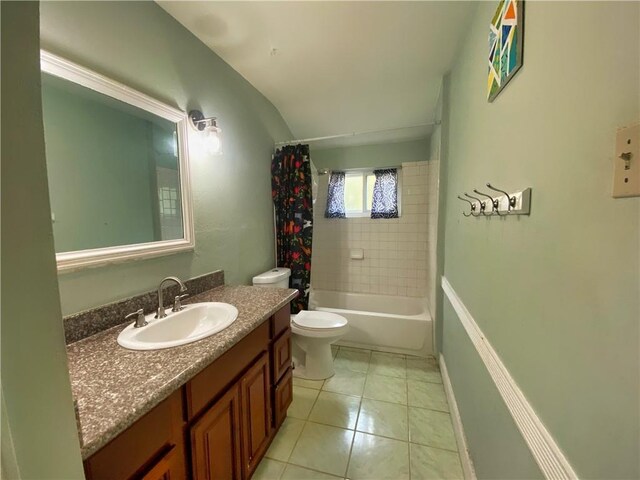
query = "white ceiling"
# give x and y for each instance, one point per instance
(338, 67)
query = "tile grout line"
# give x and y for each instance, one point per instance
(369, 372)
(308, 468)
(306, 420)
(353, 439)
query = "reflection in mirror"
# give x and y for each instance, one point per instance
(118, 168)
(113, 170)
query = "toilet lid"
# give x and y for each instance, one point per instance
(319, 320)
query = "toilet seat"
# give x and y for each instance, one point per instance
(318, 321)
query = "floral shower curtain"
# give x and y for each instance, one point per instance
(292, 198)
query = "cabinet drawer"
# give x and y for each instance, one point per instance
(281, 355)
(214, 379)
(280, 321)
(283, 395)
(136, 449)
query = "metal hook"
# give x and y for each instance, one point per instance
(473, 206)
(482, 205)
(494, 202)
(512, 200)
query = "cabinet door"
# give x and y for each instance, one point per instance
(281, 355)
(166, 468)
(256, 413)
(215, 440)
(283, 396)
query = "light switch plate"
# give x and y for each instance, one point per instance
(626, 164)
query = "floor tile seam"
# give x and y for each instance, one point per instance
(396, 403)
(340, 393)
(406, 385)
(348, 394)
(339, 369)
(295, 444)
(434, 447)
(426, 381)
(427, 408)
(316, 422)
(384, 436)
(353, 439)
(387, 438)
(315, 400)
(386, 401)
(308, 468)
(430, 409)
(386, 376)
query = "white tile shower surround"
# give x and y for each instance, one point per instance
(382, 416)
(396, 253)
(433, 184)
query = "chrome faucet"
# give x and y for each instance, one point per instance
(161, 313)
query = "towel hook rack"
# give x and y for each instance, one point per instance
(494, 202)
(512, 200)
(473, 206)
(482, 204)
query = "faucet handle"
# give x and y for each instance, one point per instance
(177, 302)
(139, 316)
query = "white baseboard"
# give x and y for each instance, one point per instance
(544, 449)
(461, 440)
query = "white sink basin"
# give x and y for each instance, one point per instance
(195, 322)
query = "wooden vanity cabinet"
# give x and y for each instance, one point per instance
(151, 449)
(257, 421)
(217, 426)
(215, 440)
(282, 398)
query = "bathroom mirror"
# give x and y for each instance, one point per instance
(118, 169)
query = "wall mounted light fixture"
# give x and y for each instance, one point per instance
(209, 128)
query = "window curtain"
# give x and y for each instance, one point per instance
(291, 191)
(335, 196)
(385, 194)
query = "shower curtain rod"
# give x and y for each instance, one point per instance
(352, 134)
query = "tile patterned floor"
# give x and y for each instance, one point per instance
(381, 416)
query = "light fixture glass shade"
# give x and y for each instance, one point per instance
(213, 140)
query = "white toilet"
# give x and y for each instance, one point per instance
(313, 332)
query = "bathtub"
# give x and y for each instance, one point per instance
(380, 322)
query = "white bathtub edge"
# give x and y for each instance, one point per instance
(422, 353)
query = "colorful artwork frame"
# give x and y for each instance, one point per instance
(506, 38)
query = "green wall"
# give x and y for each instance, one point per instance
(37, 406)
(100, 170)
(556, 293)
(371, 156)
(140, 45)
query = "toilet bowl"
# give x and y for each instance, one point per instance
(313, 332)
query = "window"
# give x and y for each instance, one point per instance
(364, 193)
(168, 201)
(358, 193)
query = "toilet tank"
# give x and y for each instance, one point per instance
(276, 277)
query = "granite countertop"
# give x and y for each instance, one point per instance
(114, 387)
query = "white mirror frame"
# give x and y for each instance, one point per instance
(68, 261)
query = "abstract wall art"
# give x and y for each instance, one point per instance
(505, 45)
